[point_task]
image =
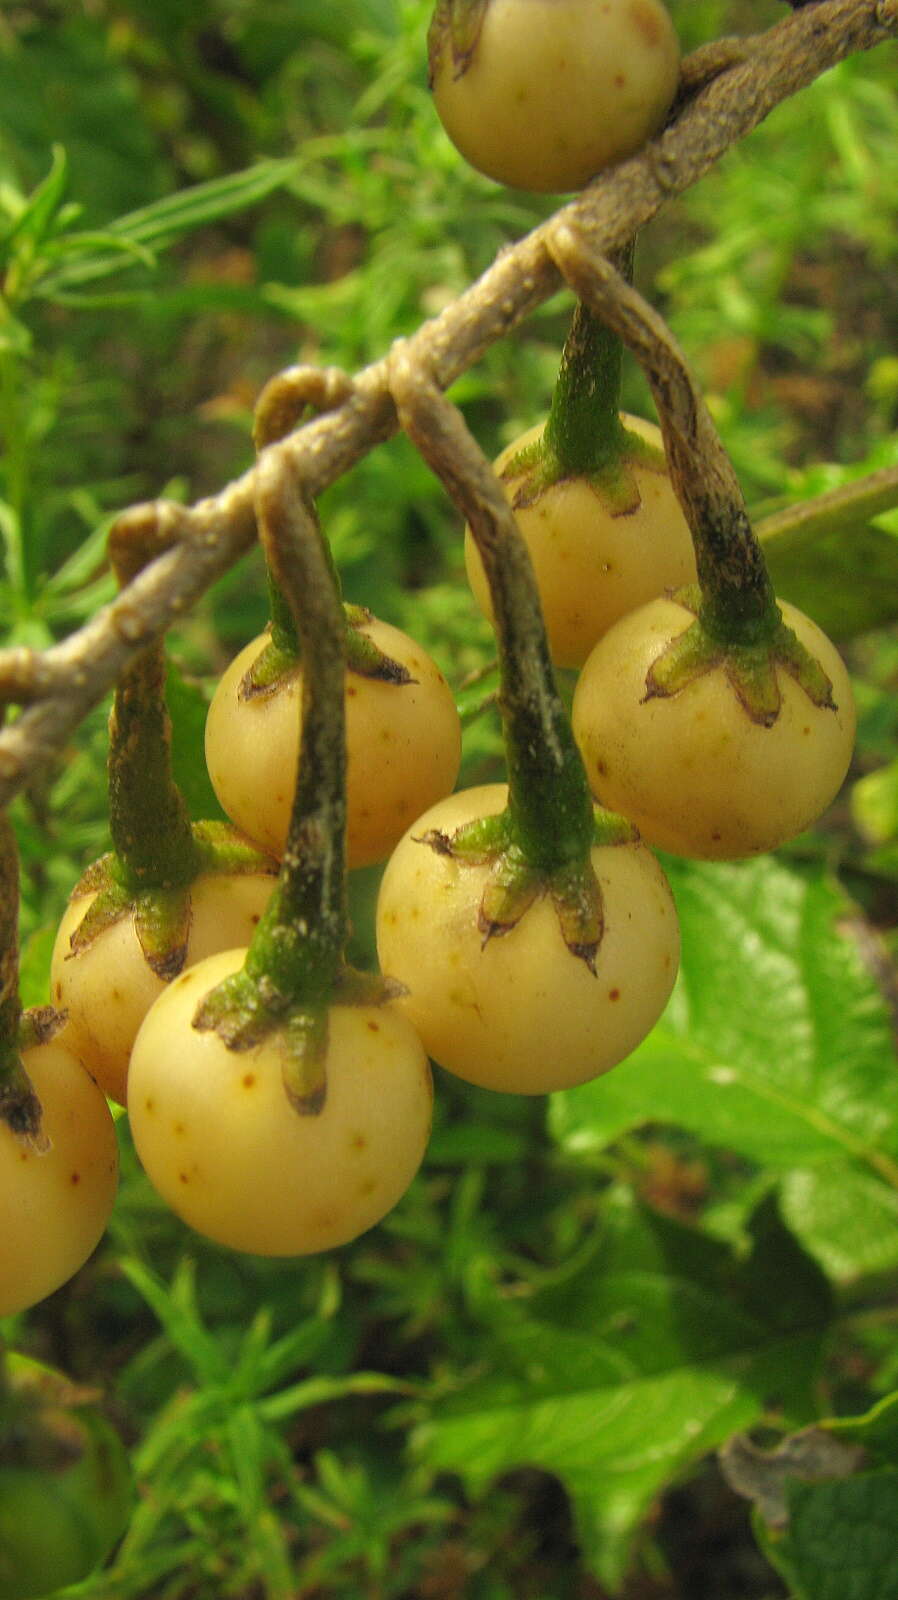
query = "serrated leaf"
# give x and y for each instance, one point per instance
(656, 1350)
(776, 1044)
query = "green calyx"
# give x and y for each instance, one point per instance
(366, 658)
(279, 662)
(454, 27)
(608, 467)
(162, 912)
(248, 1008)
(244, 1012)
(515, 883)
(585, 437)
(274, 667)
(750, 665)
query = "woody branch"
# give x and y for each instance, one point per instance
(726, 89)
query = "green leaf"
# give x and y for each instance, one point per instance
(177, 1311)
(846, 1217)
(840, 1543)
(874, 804)
(876, 1430)
(776, 1044)
(187, 706)
(35, 219)
(463, 1144)
(34, 966)
(658, 1348)
(83, 565)
(830, 558)
(155, 227)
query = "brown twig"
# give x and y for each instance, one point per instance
(728, 88)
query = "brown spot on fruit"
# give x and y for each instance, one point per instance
(613, 994)
(373, 1027)
(646, 21)
(359, 1141)
(75, 1179)
(248, 1080)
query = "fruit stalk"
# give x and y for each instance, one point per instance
(295, 958)
(738, 606)
(584, 432)
(148, 820)
(549, 802)
(280, 408)
(299, 943)
(19, 1105)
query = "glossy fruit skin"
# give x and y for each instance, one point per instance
(403, 744)
(522, 1014)
(108, 988)
(224, 1147)
(592, 567)
(692, 771)
(54, 1206)
(558, 90)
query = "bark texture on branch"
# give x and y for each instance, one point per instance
(727, 88)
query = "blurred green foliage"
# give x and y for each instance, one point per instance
(574, 1304)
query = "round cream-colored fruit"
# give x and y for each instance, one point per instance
(108, 988)
(403, 748)
(521, 1013)
(593, 567)
(54, 1202)
(557, 90)
(695, 774)
(225, 1148)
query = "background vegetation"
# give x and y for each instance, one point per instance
(514, 1387)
